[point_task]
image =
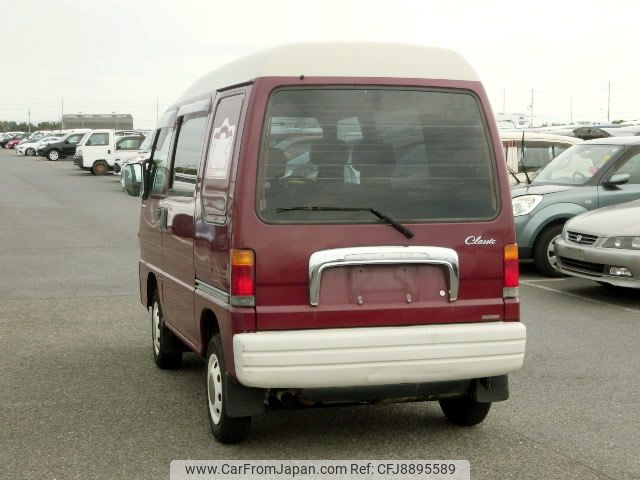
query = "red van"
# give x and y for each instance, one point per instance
(329, 223)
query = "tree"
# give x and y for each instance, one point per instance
(11, 126)
(617, 122)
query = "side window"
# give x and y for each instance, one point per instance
(74, 139)
(220, 154)
(631, 167)
(98, 139)
(188, 152)
(128, 144)
(160, 159)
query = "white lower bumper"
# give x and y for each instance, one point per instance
(347, 357)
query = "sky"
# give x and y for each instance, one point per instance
(137, 57)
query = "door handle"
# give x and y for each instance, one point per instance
(109, 151)
(162, 218)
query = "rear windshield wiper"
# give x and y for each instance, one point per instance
(394, 223)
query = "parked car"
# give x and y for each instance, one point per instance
(40, 144)
(594, 174)
(28, 146)
(603, 245)
(11, 138)
(13, 143)
(6, 136)
(539, 149)
(64, 147)
(399, 283)
(38, 134)
(97, 150)
(133, 156)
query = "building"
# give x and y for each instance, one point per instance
(115, 120)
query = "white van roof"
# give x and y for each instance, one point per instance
(336, 59)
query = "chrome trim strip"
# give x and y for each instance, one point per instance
(216, 293)
(341, 257)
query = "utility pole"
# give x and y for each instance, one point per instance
(29, 120)
(61, 113)
(504, 99)
(609, 103)
(531, 106)
(571, 110)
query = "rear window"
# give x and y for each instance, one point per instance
(415, 155)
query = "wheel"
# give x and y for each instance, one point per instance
(30, 152)
(162, 339)
(464, 411)
(226, 429)
(53, 155)
(544, 251)
(100, 168)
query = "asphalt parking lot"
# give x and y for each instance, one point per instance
(81, 397)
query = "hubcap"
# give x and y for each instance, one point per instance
(214, 388)
(551, 251)
(155, 327)
(53, 155)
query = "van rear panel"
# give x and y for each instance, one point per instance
(327, 158)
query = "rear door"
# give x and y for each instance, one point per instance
(421, 157)
(179, 209)
(610, 195)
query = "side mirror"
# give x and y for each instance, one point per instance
(133, 179)
(618, 179)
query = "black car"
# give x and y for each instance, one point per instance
(63, 148)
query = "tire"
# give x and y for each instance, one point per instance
(53, 155)
(30, 152)
(464, 411)
(100, 168)
(225, 429)
(162, 339)
(544, 251)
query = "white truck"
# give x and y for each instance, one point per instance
(99, 150)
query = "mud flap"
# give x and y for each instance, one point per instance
(491, 389)
(243, 401)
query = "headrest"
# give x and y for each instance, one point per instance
(328, 151)
(374, 159)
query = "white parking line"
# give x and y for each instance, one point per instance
(545, 280)
(575, 295)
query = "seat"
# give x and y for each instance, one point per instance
(276, 163)
(330, 156)
(374, 160)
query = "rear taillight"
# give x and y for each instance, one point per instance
(242, 278)
(510, 271)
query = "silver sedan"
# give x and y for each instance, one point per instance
(603, 245)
